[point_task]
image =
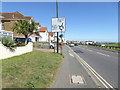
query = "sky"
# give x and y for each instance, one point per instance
(94, 21)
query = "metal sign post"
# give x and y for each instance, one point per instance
(58, 25)
(57, 17)
(61, 42)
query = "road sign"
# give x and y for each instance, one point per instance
(58, 24)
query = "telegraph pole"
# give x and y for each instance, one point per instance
(57, 17)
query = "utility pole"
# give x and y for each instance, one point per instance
(57, 17)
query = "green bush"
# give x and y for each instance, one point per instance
(0, 39)
(8, 42)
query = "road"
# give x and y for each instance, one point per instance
(104, 62)
(70, 67)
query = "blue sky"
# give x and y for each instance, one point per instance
(96, 21)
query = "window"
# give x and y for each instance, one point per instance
(3, 26)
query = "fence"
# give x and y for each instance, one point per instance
(6, 52)
(41, 45)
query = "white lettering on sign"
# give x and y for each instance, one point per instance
(5, 33)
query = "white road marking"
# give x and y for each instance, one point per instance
(88, 67)
(71, 54)
(102, 54)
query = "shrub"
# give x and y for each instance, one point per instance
(8, 42)
(0, 39)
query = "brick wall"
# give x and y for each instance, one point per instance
(8, 25)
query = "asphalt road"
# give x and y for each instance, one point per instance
(104, 62)
(70, 67)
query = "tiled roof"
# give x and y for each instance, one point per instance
(28, 18)
(55, 36)
(14, 15)
(43, 29)
(50, 33)
(35, 34)
(37, 23)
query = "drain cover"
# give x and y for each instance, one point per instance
(77, 79)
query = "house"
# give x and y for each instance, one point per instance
(44, 34)
(9, 19)
(35, 37)
(38, 25)
(63, 40)
(51, 36)
(4, 33)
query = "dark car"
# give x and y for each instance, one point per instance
(22, 40)
(96, 44)
(76, 44)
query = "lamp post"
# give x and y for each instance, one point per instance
(57, 17)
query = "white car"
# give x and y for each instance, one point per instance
(103, 45)
(52, 45)
(71, 44)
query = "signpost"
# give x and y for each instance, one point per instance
(58, 25)
(4, 33)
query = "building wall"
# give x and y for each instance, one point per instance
(0, 26)
(33, 38)
(44, 36)
(8, 26)
(51, 38)
(6, 52)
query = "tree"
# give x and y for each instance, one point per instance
(25, 28)
(72, 41)
(61, 36)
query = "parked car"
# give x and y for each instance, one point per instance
(96, 44)
(103, 45)
(71, 44)
(76, 44)
(52, 45)
(21, 40)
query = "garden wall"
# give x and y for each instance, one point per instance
(6, 52)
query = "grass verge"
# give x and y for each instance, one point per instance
(106, 47)
(32, 70)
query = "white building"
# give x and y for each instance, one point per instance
(63, 40)
(44, 34)
(35, 37)
(51, 36)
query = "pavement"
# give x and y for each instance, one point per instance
(72, 74)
